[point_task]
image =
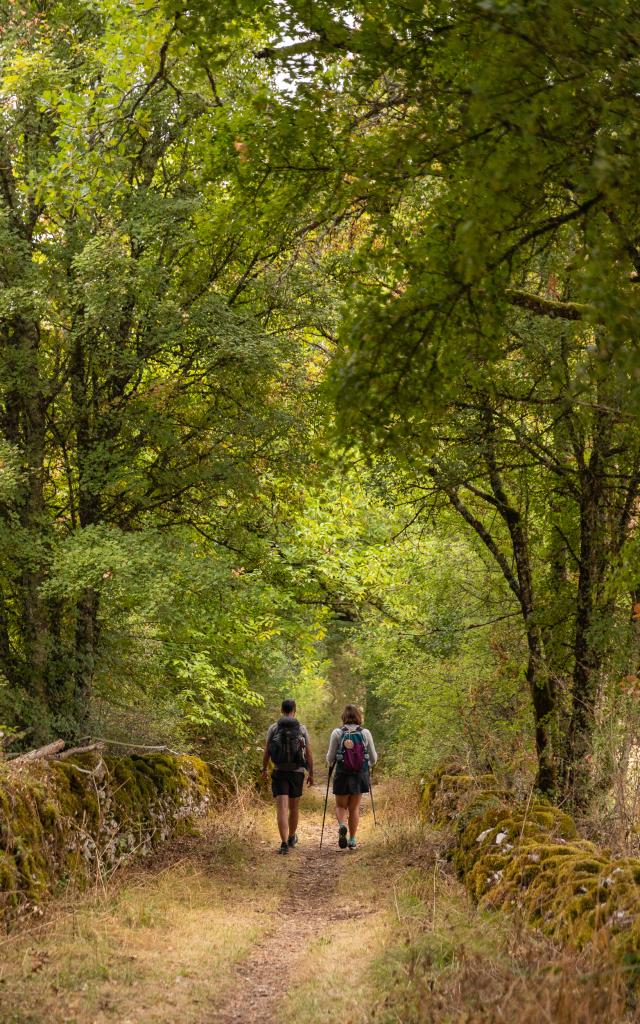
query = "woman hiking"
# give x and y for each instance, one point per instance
(352, 751)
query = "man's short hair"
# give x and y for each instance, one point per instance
(288, 705)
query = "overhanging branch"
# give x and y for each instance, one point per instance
(547, 307)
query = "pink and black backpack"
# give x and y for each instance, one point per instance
(352, 756)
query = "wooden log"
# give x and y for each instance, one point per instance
(39, 754)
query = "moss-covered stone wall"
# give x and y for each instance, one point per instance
(72, 821)
(527, 857)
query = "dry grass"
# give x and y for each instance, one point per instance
(159, 943)
(450, 963)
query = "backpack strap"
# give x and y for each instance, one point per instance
(344, 732)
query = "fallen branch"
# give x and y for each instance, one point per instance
(78, 750)
(37, 755)
(158, 748)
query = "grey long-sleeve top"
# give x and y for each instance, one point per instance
(368, 742)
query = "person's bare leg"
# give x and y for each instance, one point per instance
(282, 809)
(342, 809)
(294, 814)
(354, 814)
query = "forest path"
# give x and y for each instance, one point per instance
(314, 902)
(217, 928)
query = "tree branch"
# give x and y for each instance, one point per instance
(546, 307)
(304, 46)
(483, 534)
(550, 225)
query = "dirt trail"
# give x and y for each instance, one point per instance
(218, 929)
(310, 904)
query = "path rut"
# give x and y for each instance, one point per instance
(309, 905)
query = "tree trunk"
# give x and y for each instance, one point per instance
(589, 646)
(88, 504)
(86, 641)
(25, 427)
(540, 685)
(7, 660)
(543, 702)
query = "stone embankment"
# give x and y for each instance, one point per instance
(527, 857)
(70, 821)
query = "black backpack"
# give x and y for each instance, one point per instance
(287, 746)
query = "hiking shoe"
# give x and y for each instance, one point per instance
(284, 848)
(292, 841)
(351, 842)
(342, 837)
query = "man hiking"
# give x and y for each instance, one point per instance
(289, 749)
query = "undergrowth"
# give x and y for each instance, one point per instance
(451, 963)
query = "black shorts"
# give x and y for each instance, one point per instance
(350, 783)
(287, 784)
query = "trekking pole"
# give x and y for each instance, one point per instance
(373, 806)
(326, 798)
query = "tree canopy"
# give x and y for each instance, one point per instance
(320, 369)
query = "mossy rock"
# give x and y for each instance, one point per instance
(62, 820)
(527, 857)
(449, 795)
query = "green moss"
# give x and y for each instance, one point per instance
(59, 819)
(527, 858)
(9, 875)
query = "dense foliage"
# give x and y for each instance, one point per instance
(147, 413)
(320, 374)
